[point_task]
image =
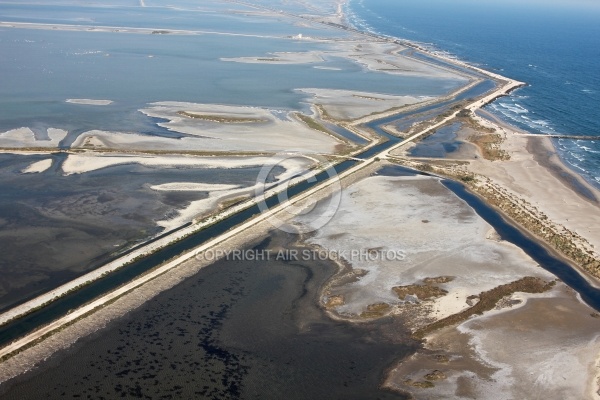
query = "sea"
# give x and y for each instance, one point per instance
(553, 46)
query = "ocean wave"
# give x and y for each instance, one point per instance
(586, 148)
(516, 108)
(582, 157)
(540, 110)
(576, 155)
(516, 113)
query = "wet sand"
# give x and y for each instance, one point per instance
(535, 174)
(554, 336)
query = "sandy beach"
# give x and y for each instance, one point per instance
(535, 173)
(406, 247)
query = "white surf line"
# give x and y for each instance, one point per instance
(502, 91)
(80, 312)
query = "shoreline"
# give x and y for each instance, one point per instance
(529, 189)
(554, 161)
(550, 159)
(500, 91)
(154, 277)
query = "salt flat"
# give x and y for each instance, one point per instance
(438, 233)
(25, 137)
(553, 336)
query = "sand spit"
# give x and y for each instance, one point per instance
(385, 57)
(281, 58)
(217, 128)
(382, 57)
(26, 138)
(125, 29)
(218, 194)
(89, 102)
(192, 187)
(351, 105)
(86, 162)
(38, 167)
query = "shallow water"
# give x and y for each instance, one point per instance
(54, 227)
(239, 330)
(441, 143)
(50, 66)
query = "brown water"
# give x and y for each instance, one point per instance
(249, 330)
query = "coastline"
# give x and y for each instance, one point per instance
(38, 346)
(545, 153)
(535, 172)
(159, 282)
(529, 188)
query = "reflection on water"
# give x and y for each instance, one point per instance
(439, 144)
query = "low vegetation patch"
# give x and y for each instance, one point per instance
(231, 202)
(488, 301)
(419, 384)
(489, 145)
(426, 291)
(436, 375)
(376, 310)
(221, 119)
(334, 301)
(313, 124)
(423, 292)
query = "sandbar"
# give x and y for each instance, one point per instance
(89, 102)
(25, 138)
(38, 167)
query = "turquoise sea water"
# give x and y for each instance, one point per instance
(552, 46)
